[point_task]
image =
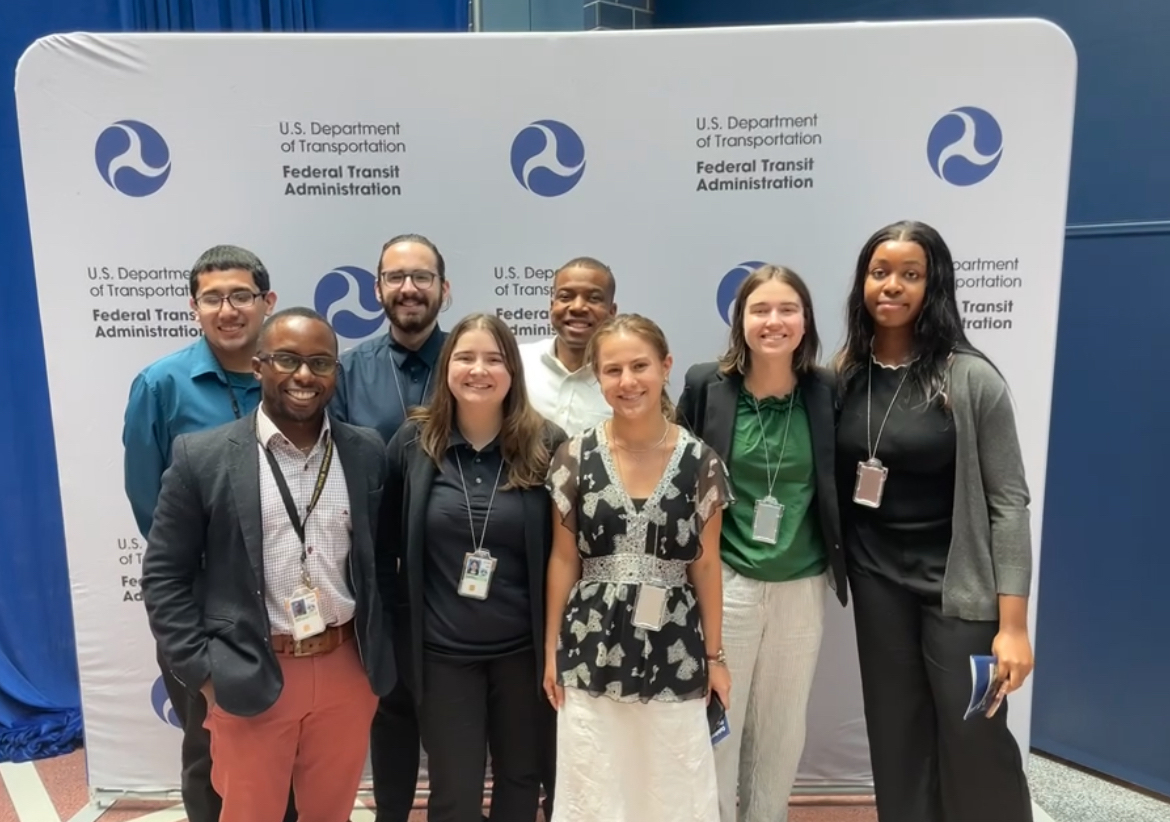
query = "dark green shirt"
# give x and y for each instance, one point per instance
(799, 551)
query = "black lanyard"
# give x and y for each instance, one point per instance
(298, 524)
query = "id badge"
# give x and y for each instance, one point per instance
(766, 523)
(871, 483)
(304, 609)
(476, 580)
(650, 607)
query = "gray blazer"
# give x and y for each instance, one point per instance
(991, 542)
(203, 572)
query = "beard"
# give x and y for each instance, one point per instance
(412, 315)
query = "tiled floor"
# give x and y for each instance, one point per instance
(54, 790)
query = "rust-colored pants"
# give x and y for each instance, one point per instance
(316, 735)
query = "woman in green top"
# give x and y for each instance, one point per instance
(767, 410)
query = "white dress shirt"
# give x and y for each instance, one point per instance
(571, 399)
(328, 532)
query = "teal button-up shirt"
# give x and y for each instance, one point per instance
(183, 392)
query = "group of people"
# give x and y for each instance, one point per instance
(526, 554)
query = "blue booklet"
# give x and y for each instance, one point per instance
(986, 684)
(717, 720)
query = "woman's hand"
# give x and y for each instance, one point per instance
(719, 682)
(1013, 654)
(553, 692)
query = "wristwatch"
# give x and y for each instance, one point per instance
(718, 658)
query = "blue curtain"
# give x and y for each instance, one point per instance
(39, 703)
(40, 712)
(217, 15)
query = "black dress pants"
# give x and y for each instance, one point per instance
(469, 707)
(929, 764)
(394, 753)
(200, 800)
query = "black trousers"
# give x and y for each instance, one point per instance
(929, 765)
(200, 800)
(394, 753)
(469, 707)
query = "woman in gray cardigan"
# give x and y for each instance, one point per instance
(935, 521)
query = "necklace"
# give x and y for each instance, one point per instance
(654, 447)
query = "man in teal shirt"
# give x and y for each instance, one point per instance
(204, 385)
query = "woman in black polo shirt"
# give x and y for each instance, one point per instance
(463, 544)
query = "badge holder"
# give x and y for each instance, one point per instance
(304, 609)
(766, 522)
(871, 483)
(650, 606)
(476, 580)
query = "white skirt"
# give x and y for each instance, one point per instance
(634, 761)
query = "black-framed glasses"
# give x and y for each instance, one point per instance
(284, 363)
(421, 279)
(237, 299)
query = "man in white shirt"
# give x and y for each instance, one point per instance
(561, 385)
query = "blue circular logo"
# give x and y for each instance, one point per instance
(548, 158)
(161, 702)
(334, 300)
(133, 158)
(725, 294)
(965, 146)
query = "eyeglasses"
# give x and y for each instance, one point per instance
(238, 299)
(396, 279)
(284, 363)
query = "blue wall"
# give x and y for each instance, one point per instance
(1103, 655)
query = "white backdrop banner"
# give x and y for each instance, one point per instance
(681, 158)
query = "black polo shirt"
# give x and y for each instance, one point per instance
(502, 623)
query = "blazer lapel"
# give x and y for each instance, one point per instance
(420, 475)
(534, 539)
(245, 483)
(819, 403)
(357, 483)
(719, 428)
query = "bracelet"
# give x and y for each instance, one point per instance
(718, 658)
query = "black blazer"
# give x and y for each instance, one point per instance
(707, 407)
(402, 542)
(203, 573)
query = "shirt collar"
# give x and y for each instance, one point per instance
(456, 438)
(428, 352)
(266, 429)
(549, 357)
(204, 362)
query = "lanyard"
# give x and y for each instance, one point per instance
(783, 445)
(290, 507)
(235, 405)
(398, 385)
(478, 548)
(870, 441)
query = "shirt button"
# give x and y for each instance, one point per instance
(478, 480)
(309, 550)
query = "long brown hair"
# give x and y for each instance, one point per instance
(522, 441)
(639, 326)
(737, 358)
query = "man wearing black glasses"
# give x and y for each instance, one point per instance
(259, 582)
(206, 384)
(380, 381)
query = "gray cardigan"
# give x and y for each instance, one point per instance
(991, 543)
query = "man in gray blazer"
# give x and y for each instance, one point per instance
(260, 587)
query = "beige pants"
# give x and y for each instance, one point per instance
(772, 636)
